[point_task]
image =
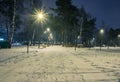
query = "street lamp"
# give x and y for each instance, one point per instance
(101, 32)
(118, 35)
(49, 35)
(51, 38)
(118, 39)
(78, 37)
(40, 17)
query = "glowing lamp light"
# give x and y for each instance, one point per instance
(78, 37)
(40, 15)
(119, 36)
(51, 36)
(102, 31)
(48, 29)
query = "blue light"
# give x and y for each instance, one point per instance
(1, 39)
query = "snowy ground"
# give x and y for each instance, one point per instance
(59, 64)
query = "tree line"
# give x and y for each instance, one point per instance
(69, 24)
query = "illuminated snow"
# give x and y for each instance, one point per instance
(59, 64)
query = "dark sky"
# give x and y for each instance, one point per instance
(104, 10)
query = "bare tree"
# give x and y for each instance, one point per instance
(12, 25)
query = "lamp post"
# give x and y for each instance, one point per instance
(118, 39)
(40, 17)
(101, 33)
(48, 30)
(51, 38)
(49, 34)
(81, 27)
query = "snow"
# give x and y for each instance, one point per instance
(59, 64)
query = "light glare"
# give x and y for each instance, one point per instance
(40, 16)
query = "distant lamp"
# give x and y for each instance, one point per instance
(51, 36)
(48, 29)
(78, 37)
(102, 31)
(118, 35)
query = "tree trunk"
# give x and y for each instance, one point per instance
(33, 36)
(7, 29)
(63, 38)
(12, 25)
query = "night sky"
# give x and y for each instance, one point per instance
(104, 10)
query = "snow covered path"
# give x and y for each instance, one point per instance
(58, 64)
